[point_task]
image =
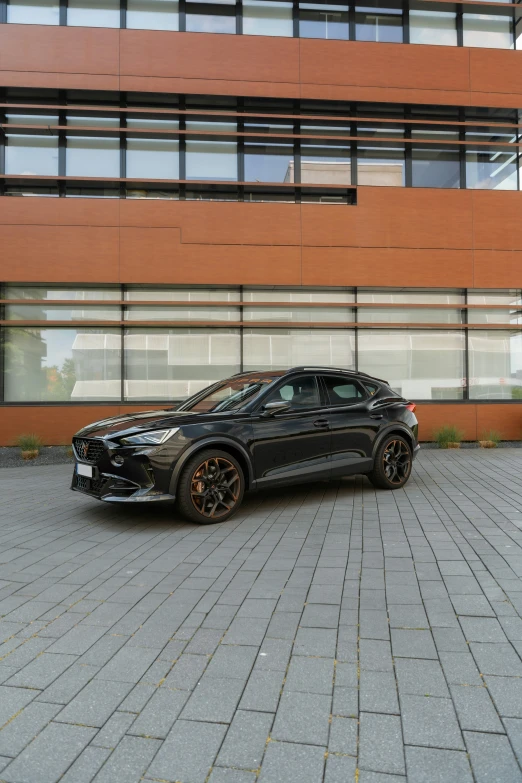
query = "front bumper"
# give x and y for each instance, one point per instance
(113, 490)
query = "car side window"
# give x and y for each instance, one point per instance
(301, 393)
(342, 390)
(371, 388)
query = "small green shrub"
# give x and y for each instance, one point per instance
(516, 392)
(29, 442)
(447, 434)
(491, 435)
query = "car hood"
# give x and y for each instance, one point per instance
(118, 426)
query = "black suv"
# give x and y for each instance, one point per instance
(253, 430)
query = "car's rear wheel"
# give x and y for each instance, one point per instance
(210, 488)
(392, 464)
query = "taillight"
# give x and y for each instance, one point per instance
(411, 407)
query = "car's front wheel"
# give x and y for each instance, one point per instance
(392, 464)
(210, 488)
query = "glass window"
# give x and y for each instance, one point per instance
(488, 31)
(140, 313)
(499, 316)
(495, 365)
(342, 391)
(301, 392)
(89, 156)
(46, 365)
(299, 314)
(93, 13)
(232, 394)
(211, 158)
(325, 165)
(373, 23)
(433, 166)
(379, 165)
(33, 11)
(267, 17)
(152, 14)
(490, 168)
(420, 365)
(323, 21)
(183, 295)
(409, 297)
(297, 295)
(214, 17)
(173, 364)
(61, 313)
(269, 162)
(433, 27)
(283, 348)
(28, 154)
(417, 315)
(152, 158)
(37, 292)
(510, 297)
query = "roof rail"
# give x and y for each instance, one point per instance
(339, 369)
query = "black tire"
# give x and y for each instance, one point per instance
(392, 464)
(210, 488)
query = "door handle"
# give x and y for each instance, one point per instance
(321, 424)
(376, 415)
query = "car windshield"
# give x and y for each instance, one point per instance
(231, 395)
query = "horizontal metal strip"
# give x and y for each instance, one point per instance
(130, 303)
(334, 325)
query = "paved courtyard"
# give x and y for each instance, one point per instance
(328, 634)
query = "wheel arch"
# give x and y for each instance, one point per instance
(222, 444)
(394, 429)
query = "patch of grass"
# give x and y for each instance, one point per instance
(447, 434)
(491, 435)
(29, 442)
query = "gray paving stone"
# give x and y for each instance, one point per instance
(12, 700)
(460, 668)
(340, 769)
(188, 752)
(302, 717)
(482, 629)
(128, 665)
(378, 692)
(77, 641)
(263, 691)
(343, 736)
(420, 677)
(42, 671)
(492, 759)
(475, 710)
(380, 743)
(221, 775)
(345, 702)
(507, 695)
(474, 605)
(70, 683)
(86, 765)
(158, 716)
(213, 699)
(320, 616)
(230, 661)
(245, 741)
(187, 672)
(433, 765)
(25, 726)
(310, 675)
(379, 777)
(94, 705)
(514, 732)
(286, 762)
(374, 625)
(116, 727)
(247, 631)
(129, 761)
(375, 655)
(48, 756)
(204, 641)
(319, 642)
(413, 644)
(274, 655)
(500, 659)
(430, 721)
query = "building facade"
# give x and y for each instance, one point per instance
(190, 189)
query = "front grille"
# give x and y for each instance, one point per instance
(88, 450)
(89, 485)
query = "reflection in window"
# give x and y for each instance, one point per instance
(423, 315)
(409, 297)
(325, 165)
(182, 295)
(28, 312)
(27, 154)
(433, 166)
(433, 27)
(145, 313)
(267, 17)
(373, 23)
(213, 17)
(380, 165)
(56, 294)
(282, 348)
(33, 11)
(495, 365)
(490, 32)
(490, 168)
(93, 13)
(299, 314)
(152, 14)
(211, 158)
(298, 295)
(495, 316)
(419, 365)
(172, 364)
(269, 162)
(152, 158)
(88, 156)
(46, 365)
(323, 21)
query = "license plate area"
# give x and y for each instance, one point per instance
(84, 470)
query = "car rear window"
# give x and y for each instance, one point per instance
(343, 391)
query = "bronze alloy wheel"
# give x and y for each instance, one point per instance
(215, 487)
(397, 462)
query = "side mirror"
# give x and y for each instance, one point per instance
(271, 408)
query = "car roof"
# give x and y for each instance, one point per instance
(293, 370)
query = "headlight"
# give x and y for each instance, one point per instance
(151, 438)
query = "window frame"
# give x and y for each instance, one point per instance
(355, 381)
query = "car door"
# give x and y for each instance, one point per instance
(353, 424)
(293, 444)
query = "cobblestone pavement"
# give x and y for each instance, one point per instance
(328, 634)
